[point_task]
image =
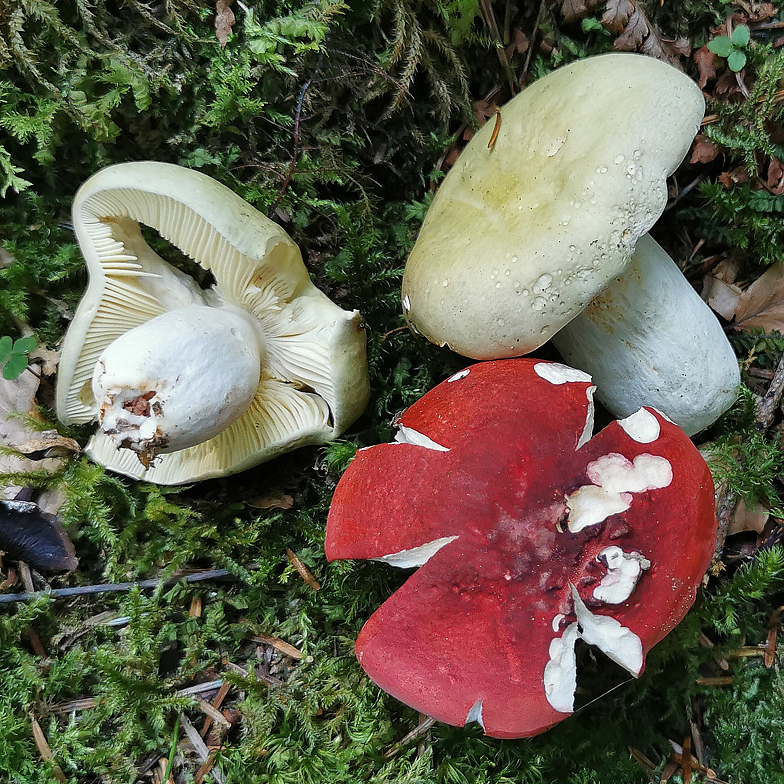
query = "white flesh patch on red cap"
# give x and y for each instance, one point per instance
(457, 376)
(614, 479)
(407, 435)
(587, 433)
(560, 673)
(416, 556)
(642, 426)
(556, 373)
(475, 714)
(623, 572)
(613, 639)
(617, 642)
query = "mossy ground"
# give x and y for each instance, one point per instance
(335, 120)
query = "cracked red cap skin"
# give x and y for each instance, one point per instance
(489, 486)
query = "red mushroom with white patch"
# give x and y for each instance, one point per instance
(530, 534)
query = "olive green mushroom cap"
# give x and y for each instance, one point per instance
(309, 379)
(528, 228)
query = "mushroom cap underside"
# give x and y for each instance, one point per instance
(490, 492)
(315, 375)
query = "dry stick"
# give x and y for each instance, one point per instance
(492, 24)
(217, 701)
(539, 17)
(200, 747)
(726, 501)
(295, 151)
(43, 747)
(766, 406)
(420, 729)
(89, 590)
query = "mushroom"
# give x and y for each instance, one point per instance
(529, 535)
(187, 383)
(532, 223)
(649, 339)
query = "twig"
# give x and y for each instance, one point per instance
(212, 712)
(89, 590)
(303, 570)
(200, 746)
(43, 747)
(217, 701)
(766, 406)
(492, 25)
(685, 192)
(530, 51)
(295, 150)
(200, 688)
(420, 729)
(726, 501)
(281, 645)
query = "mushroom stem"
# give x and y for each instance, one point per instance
(649, 340)
(178, 379)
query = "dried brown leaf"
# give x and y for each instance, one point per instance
(706, 62)
(776, 177)
(633, 35)
(721, 297)
(519, 44)
(303, 570)
(616, 15)
(571, 10)
(737, 176)
(272, 501)
(224, 21)
(762, 304)
(704, 150)
(18, 396)
(679, 46)
(752, 517)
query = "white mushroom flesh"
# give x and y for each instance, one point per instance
(178, 379)
(615, 479)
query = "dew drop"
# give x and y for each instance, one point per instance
(618, 159)
(508, 272)
(539, 303)
(514, 259)
(498, 285)
(501, 322)
(445, 282)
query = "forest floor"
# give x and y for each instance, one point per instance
(338, 121)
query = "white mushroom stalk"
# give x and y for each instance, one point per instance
(648, 339)
(190, 384)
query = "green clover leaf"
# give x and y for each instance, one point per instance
(722, 46)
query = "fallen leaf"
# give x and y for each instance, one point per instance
(776, 177)
(679, 46)
(625, 18)
(519, 44)
(571, 10)
(751, 517)
(303, 570)
(727, 84)
(762, 304)
(48, 358)
(737, 176)
(272, 501)
(616, 15)
(224, 21)
(704, 150)
(721, 297)
(706, 63)
(19, 396)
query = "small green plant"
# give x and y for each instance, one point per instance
(14, 355)
(733, 47)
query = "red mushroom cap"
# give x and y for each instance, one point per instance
(529, 537)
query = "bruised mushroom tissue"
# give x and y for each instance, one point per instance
(528, 538)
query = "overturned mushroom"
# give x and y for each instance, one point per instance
(530, 535)
(649, 339)
(525, 231)
(190, 384)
